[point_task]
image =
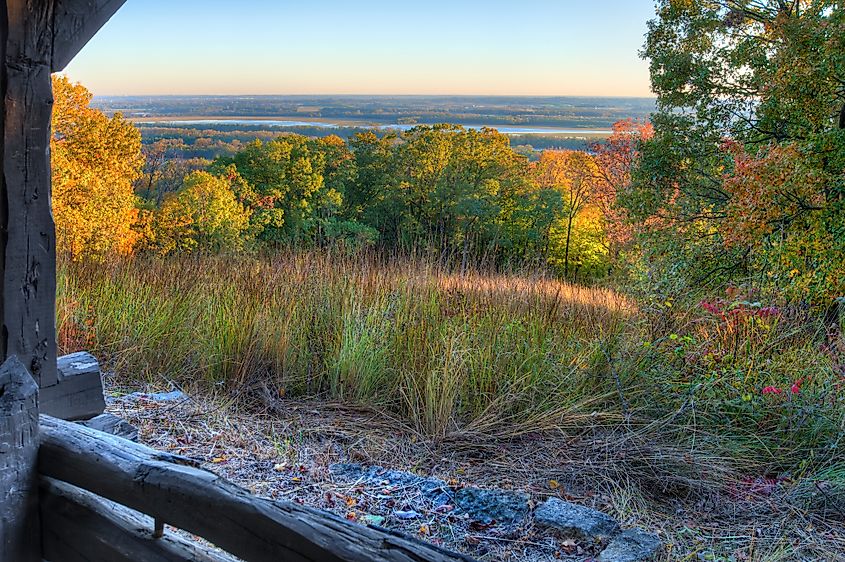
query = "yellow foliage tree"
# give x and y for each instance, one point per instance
(204, 215)
(95, 161)
(573, 174)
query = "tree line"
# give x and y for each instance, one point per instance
(463, 194)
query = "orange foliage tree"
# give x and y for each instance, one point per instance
(615, 158)
(95, 160)
(572, 173)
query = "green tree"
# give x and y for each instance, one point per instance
(338, 171)
(285, 175)
(455, 181)
(376, 198)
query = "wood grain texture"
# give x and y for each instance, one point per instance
(29, 275)
(4, 215)
(40, 36)
(19, 531)
(169, 488)
(109, 423)
(81, 527)
(78, 394)
(75, 23)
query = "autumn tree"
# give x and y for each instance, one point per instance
(572, 173)
(615, 158)
(95, 160)
(204, 215)
(165, 169)
(745, 169)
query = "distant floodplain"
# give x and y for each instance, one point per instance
(508, 130)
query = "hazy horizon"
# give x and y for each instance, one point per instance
(366, 95)
(538, 48)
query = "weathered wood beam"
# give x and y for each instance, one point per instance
(29, 253)
(198, 501)
(19, 532)
(78, 394)
(4, 212)
(110, 423)
(75, 22)
(80, 527)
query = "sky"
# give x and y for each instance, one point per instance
(468, 47)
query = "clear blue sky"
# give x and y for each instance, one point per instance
(515, 47)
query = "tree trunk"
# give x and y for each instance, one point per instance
(566, 253)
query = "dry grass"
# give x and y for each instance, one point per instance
(446, 352)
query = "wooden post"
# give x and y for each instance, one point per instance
(19, 530)
(4, 215)
(37, 37)
(29, 265)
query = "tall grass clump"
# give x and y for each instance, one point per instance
(445, 350)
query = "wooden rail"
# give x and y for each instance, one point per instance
(81, 527)
(174, 491)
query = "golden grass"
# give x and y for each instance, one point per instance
(474, 353)
(541, 379)
(446, 350)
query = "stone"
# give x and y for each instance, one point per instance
(485, 506)
(407, 514)
(493, 506)
(634, 545)
(575, 521)
(78, 394)
(432, 489)
(172, 396)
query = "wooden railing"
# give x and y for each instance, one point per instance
(104, 498)
(174, 491)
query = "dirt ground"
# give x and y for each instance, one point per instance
(285, 452)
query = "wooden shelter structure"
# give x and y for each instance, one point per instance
(68, 492)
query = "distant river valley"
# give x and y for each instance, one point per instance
(508, 130)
